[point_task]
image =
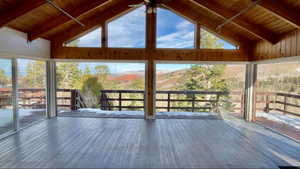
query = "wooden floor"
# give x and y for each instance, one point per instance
(68, 142)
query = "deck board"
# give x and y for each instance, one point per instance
(67, 142)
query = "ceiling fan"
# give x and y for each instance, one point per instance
(151, 4)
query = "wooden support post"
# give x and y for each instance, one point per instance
(104, 34)
(250, 84)
(197, 35)
(150, 77)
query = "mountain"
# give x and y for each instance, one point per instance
(165, 79)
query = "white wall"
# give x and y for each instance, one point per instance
(14, 44)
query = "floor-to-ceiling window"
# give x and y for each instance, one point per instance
(100, 89)
(277, 98)
(202, 90)
(6, 106)
(31, 91)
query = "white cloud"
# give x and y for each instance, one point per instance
(92, 39)
(182, 38)
(128, 30)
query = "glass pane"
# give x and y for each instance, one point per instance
(200, 90)
(211, 41)
(100, 89)
(128, 31)
(174, 31)
(278, 97)
(31, 91)
(91, 39)
(6, 108)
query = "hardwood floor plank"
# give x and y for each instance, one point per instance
(135, 143)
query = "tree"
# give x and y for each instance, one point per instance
(4, 80)
(90, 91)
(209, 40)
(35, 75)
(202, 78)
(68, 75)
(102, 72)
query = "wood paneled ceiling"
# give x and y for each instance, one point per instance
(269, 21)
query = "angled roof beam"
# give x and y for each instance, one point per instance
(21, 8)
(255, 30)
(190, 11)
(113, 9)
(52, 23)
(282, 11)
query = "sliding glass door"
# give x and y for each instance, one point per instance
(6, 106)
(31, 91)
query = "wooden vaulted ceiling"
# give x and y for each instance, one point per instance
(268, 21)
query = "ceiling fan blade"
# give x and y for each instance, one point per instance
(135, 5)
(163, 1)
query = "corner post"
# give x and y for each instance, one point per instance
(250, 90)
(51, 89)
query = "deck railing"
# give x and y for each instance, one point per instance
(115, 100)
(276, 101)
(122, 99)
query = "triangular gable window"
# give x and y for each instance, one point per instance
(128, 31)
(91, 39)
(211, 41)
(174, 31)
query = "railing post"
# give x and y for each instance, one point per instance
(285, 105)
(73, 100)
(193, 102)
(217, 103)
(120, 101)
(242, 102)
(267, 103)
(169, 101)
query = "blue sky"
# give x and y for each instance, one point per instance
(173, 31)
(128, 31)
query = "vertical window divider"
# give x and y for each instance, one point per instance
(15, 93)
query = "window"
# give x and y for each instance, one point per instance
(211, 41)
(278, 97)
(31, 91)
(199, 90)
(101, 89)
(128, 31)
(91, 39)
(6, 108)
(174, 31)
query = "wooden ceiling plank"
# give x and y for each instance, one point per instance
(255, 30)
(52, 23)
(186, 10)
(20, 9)
(282, 11)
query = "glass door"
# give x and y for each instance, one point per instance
(6, 106)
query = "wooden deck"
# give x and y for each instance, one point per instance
(135, 143)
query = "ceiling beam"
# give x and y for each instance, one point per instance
(19, 9)
(191, 11)
(113, 8)
(282, 11)
(255, 30)
(52, 23)
(130, 54)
